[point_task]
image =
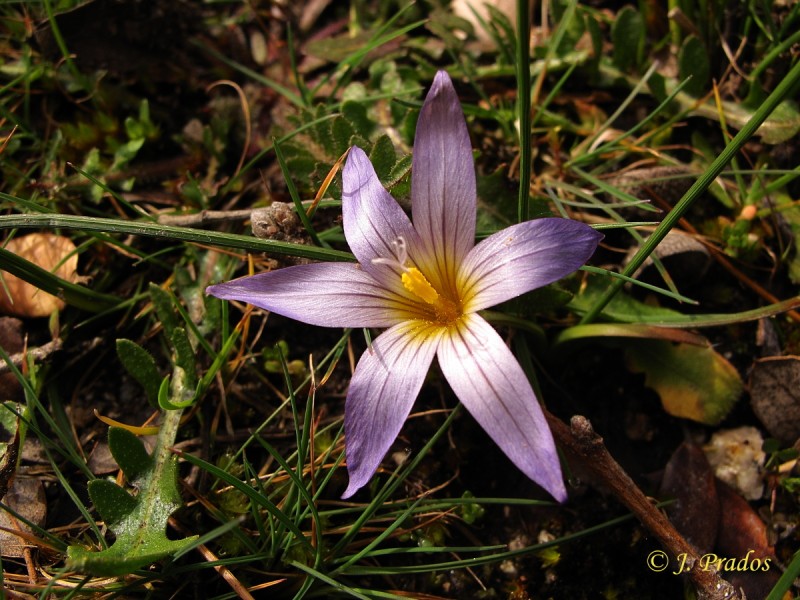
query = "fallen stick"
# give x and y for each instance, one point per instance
(581, 439)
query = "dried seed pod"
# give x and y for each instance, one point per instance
(279, 221)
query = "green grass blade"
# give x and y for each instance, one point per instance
(255, 76)
(699, 186)
(430, 567)
(647, 286)
(62, 46)
(377, 540)
(786, 582)
(298, 203)
(297, 480)
(170, 232)
(253, 494)
(392, 484)
(524, 106)
(210, 536)
(337, 585)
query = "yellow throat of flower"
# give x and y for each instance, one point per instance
(445, 309)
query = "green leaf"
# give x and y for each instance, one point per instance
(356, 114)
(184, 355)
(693, 62)
(342, 132)
(596, 36)
(111, 501)
(398, 181)
(693, 382)
(139, 523)
(628, 37)
(625, 309)
(9, 451)
(607, 331)
(175, 394)
(143, 127)
(497, 201)
(383, 157)
(658, 87)
(537, 302)
(782, 125)
(162, 303)
(338, 48)
(129, 452)
(471, 512)
(8, 417)
(140, 364)
(621, 308)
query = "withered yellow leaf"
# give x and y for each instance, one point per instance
(694, 382)
(51, 252)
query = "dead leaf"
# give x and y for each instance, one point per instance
(743, 536)
(693, 382)
(689, 479)
(51, 252)
(25, 497)
(775, 396)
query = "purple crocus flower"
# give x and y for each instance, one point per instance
(426, 283)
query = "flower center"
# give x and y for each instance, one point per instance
(445, 310)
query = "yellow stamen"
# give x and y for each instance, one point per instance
(415, 282)
(444, 309)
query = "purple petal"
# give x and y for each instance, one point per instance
(490, 383)
(325, 294)
(443, 196)
(373, 220)
(384, 386)
(523, 257)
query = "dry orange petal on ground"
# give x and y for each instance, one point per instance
(51, 252)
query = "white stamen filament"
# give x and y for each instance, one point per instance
(400, 255)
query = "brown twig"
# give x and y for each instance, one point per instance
(39, 353)
(205, 218)
(581, 439)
